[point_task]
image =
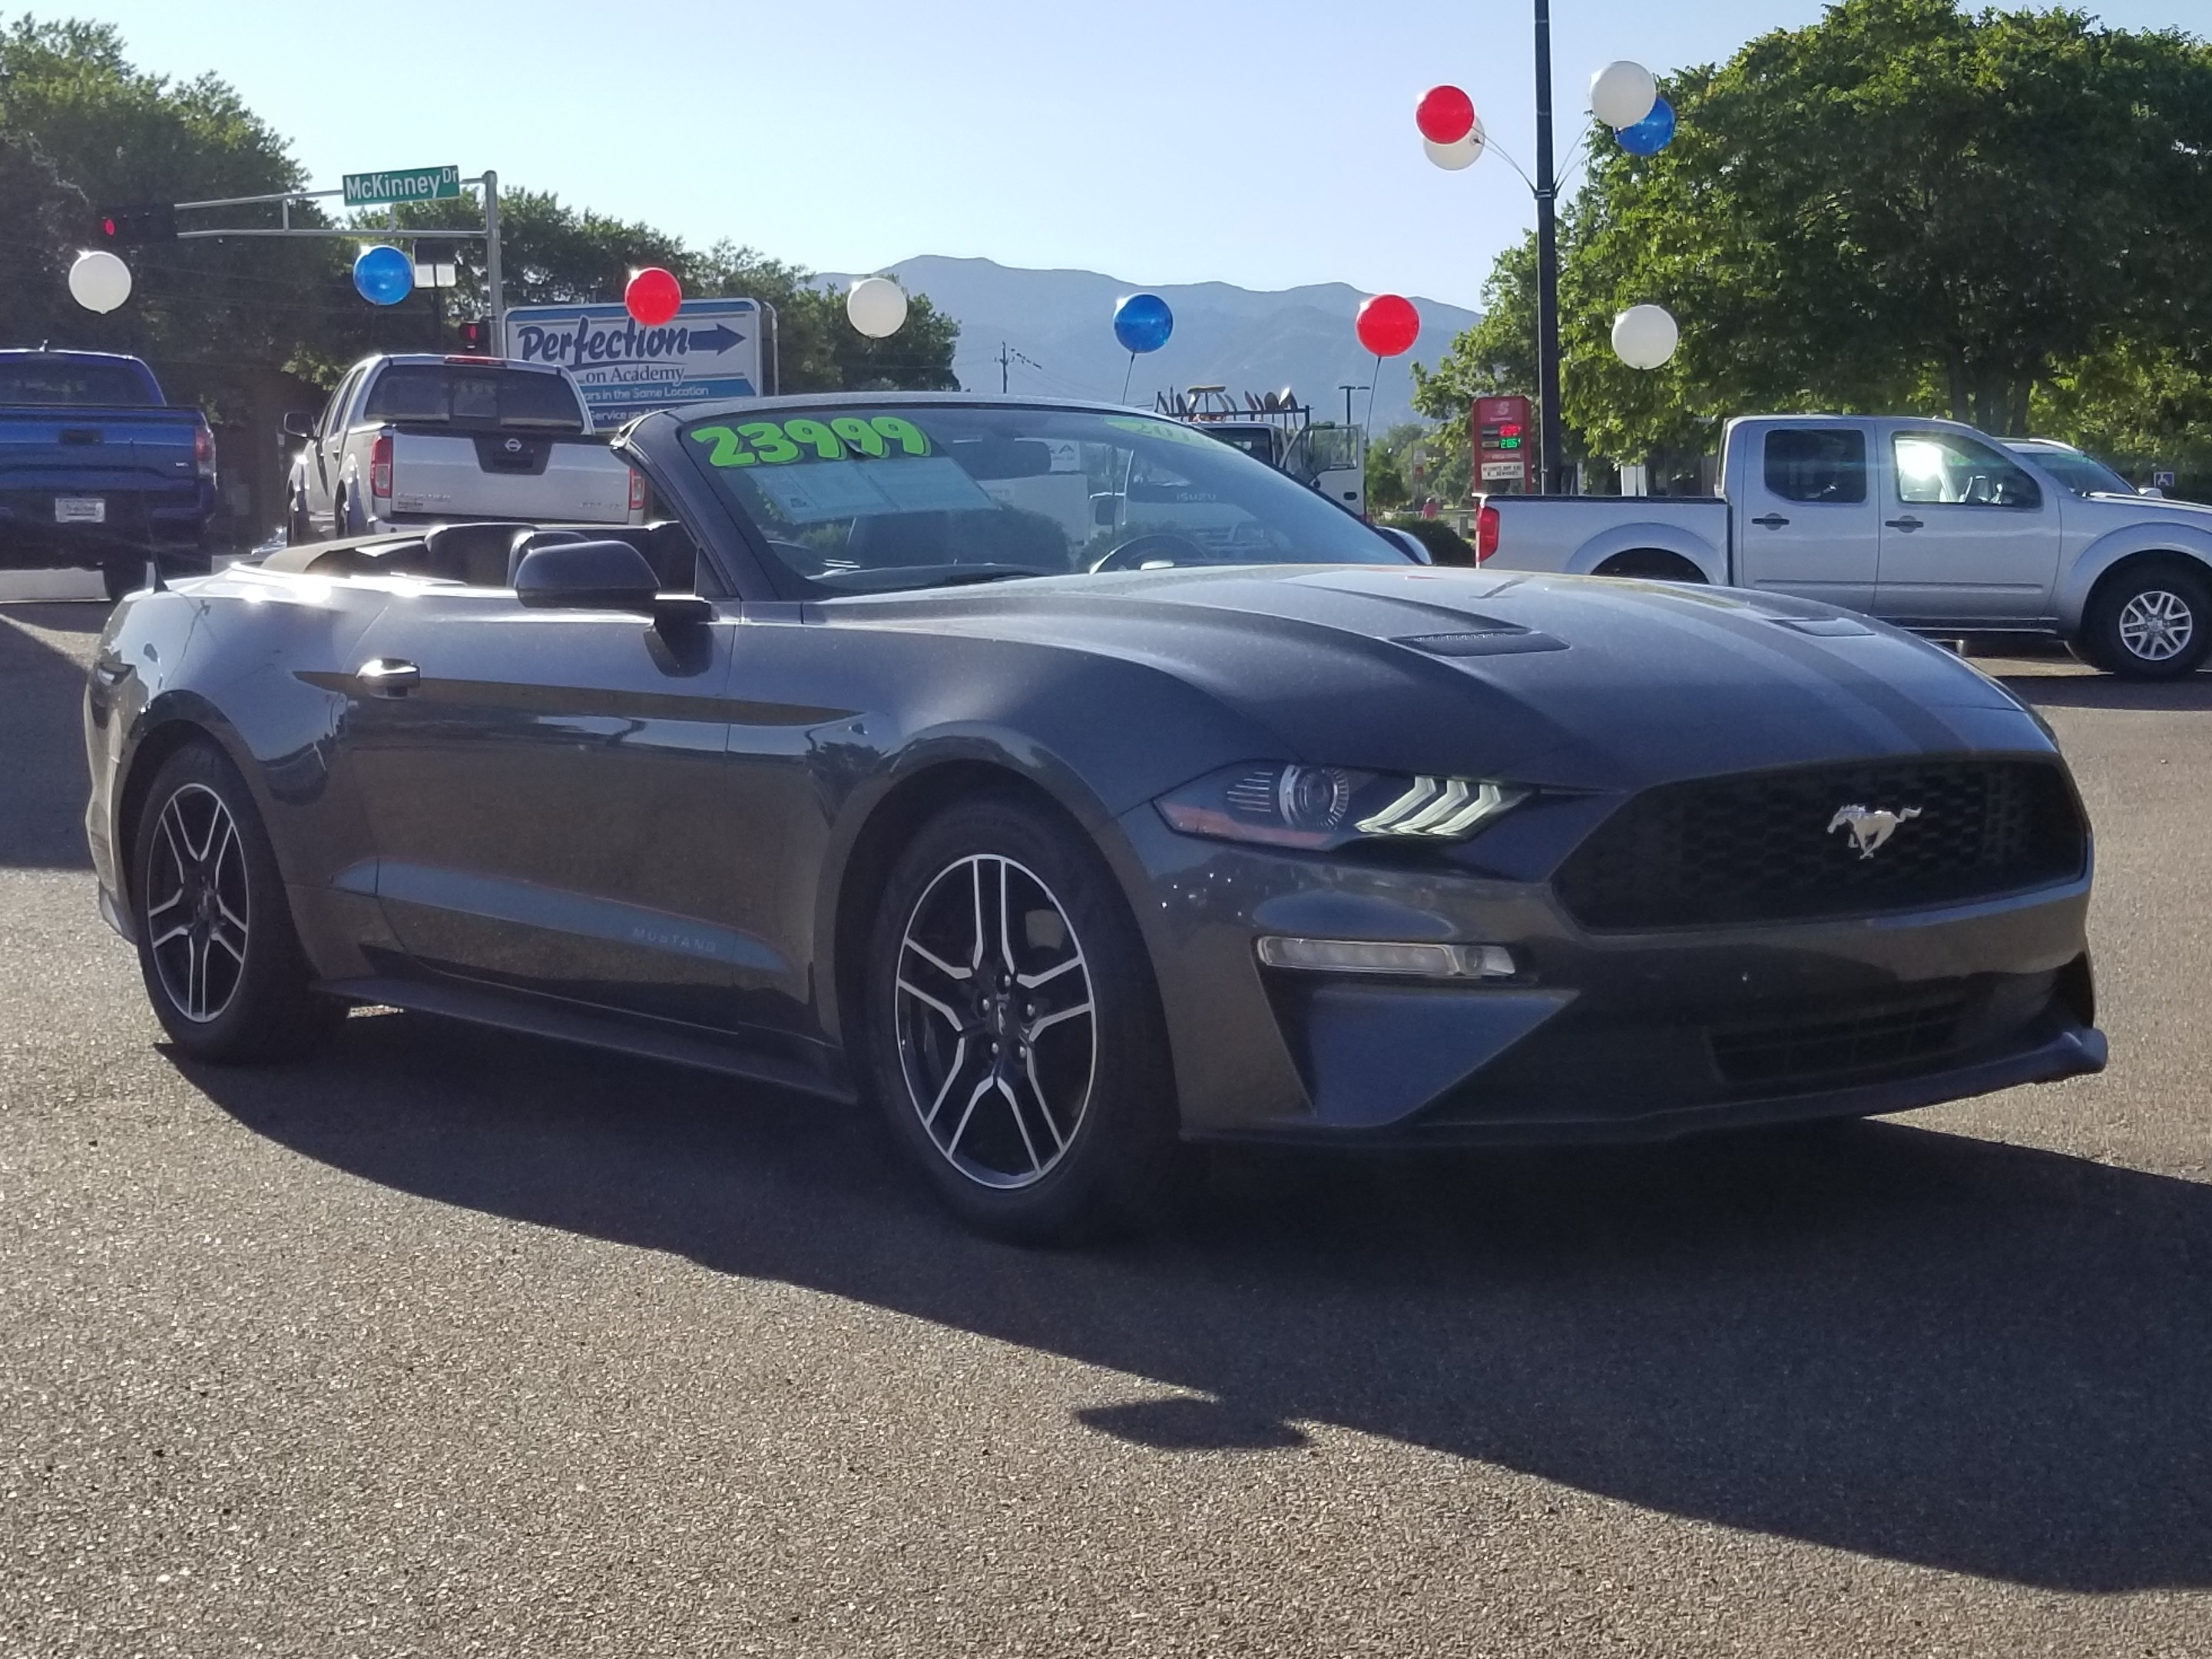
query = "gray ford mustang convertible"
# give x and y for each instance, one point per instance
(1072, 785)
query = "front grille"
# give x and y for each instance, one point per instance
(1760, 846)
(1830, 1048)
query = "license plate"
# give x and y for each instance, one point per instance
(79, 509)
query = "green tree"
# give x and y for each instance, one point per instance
(1902, 206)
(82, 128)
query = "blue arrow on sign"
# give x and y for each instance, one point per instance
(721, 337)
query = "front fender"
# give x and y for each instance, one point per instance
(2078, 581)
(1650, 533)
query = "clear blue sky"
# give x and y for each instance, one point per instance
(1267, 142)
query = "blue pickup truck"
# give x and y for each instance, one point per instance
(98, 472)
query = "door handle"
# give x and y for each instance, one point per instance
(388, 677)
(1906, 523)
(1770, 521)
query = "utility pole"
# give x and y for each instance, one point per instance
(1347, 390)
(492, 280)
(1550, 447)
(1008, 357)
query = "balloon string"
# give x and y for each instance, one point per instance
(1374, 379)
(1126, 378)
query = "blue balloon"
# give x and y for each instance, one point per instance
(383, 275)
(1652, 134)
(1143, 322)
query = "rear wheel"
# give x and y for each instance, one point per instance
(121, 576)
(1015, 1037)
(2151, 624)
(216, 947)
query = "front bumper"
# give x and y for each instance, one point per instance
(1613, 1036)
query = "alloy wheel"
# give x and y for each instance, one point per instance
(997, 1024)
(198, 908)
(2156, 625)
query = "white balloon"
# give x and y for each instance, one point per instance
(1622, 93)
(99, 281)
(1464, 153)
(877, 306)
(1645, 336)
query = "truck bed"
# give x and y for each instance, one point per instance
(1577, 535)
(82, 482)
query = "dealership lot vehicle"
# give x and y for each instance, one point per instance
(98, 472)
(1927, 524)
(422, 440)
(1068, 781)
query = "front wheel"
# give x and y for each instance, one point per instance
(2154, 623)
(1014, 1032)
(222, 963)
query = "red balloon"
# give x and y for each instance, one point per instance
(1388, 324)
(653, 296)
(1445, 115)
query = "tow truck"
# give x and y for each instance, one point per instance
(1274, 426)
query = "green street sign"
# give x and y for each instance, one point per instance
(402, 184)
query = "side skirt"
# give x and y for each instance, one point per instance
(567, 1022)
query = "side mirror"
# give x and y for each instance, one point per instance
(2152, 490)
(299, 423)
(606, 576)
(1105, 510)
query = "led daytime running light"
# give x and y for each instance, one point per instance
(1442, 807)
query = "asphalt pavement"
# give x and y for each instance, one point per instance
(453, 1342)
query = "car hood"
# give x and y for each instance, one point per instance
(1577, 681)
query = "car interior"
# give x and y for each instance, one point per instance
(488, 555)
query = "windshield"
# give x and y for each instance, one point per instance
(61, 380)
(2079, 473)
(467, 395)
(876, 496)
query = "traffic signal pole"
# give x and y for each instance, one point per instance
(1550, 446)
(488, 234)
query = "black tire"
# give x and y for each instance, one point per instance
(1067, 1124)
(216, 946)
(121, 576)
(301, 529)
(1651, 564)
(2152, 622)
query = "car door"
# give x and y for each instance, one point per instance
(325, 452)
(1804, 515)
(1968, 536)
(550, 801)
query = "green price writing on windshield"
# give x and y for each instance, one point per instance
(774, 443)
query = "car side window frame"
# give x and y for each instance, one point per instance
(1958, 443)
(1853, 437)
(334, 421)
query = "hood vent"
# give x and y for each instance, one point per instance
(1486, 639)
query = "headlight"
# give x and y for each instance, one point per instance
(1327, 806)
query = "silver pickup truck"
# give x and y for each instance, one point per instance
(420, 439)
(1928, 525)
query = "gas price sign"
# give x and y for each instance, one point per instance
(1502, 426)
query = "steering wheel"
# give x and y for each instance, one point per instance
(1153, 545)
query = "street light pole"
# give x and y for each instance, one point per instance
(1550, 444)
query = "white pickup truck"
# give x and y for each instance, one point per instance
(1928, 525)
(419, 438)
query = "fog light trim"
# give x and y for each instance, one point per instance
(1405, 959)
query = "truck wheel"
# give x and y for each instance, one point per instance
(2151, 624)
(301, 529)
(121, 576)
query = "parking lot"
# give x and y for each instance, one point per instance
(449, 1341)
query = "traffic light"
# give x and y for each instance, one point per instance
(122, 226)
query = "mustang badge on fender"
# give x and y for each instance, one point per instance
(1869, 830)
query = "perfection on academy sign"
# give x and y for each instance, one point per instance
(711, 348)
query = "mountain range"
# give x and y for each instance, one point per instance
(1061, 322)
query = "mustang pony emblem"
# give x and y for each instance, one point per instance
(1869, 830)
